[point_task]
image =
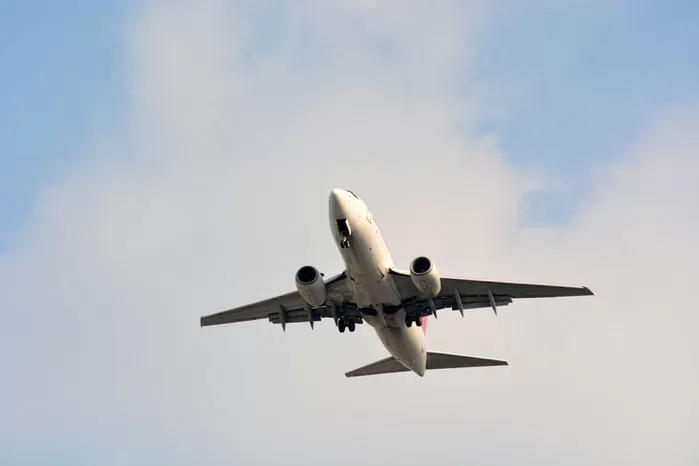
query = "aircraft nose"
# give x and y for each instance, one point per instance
(336, 194)
(337, 198)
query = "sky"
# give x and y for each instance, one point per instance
(161, 161)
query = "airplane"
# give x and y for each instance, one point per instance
(396, 303)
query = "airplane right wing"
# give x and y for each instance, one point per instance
(512, 290)
(460, 293)
(291, 308)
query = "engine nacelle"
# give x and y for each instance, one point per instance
(310, 285)
(425, 276)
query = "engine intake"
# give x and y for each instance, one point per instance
(310, 285)
(425, 276)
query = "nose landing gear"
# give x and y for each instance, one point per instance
(344, 229)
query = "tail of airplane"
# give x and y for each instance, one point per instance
(434, 361)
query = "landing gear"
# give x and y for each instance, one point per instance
(343, 324)
(410, 318)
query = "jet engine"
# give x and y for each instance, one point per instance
(310, 285)
(425, 276)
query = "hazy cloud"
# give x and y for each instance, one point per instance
(215, 192)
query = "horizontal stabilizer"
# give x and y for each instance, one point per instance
(434, 361)
(385, 366)
(451, 361)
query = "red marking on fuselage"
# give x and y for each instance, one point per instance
(424, 325)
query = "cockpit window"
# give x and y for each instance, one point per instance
(356, 197)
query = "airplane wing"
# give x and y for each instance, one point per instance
(291, 307)
(459, 293)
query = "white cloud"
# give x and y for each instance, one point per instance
(223, 195)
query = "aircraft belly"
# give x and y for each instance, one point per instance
(371, 284)
(406, 345)
(373, 289)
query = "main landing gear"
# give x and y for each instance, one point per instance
(343, 323)
(410, 318)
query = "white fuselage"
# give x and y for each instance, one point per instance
(368, 261)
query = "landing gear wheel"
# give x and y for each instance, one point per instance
(350, 325)
(341, 324)
(418, 321)
(408, 320)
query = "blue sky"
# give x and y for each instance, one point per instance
(588, 79)
(62, 77)
(579, 84)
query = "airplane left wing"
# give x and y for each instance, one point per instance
(291, 308)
